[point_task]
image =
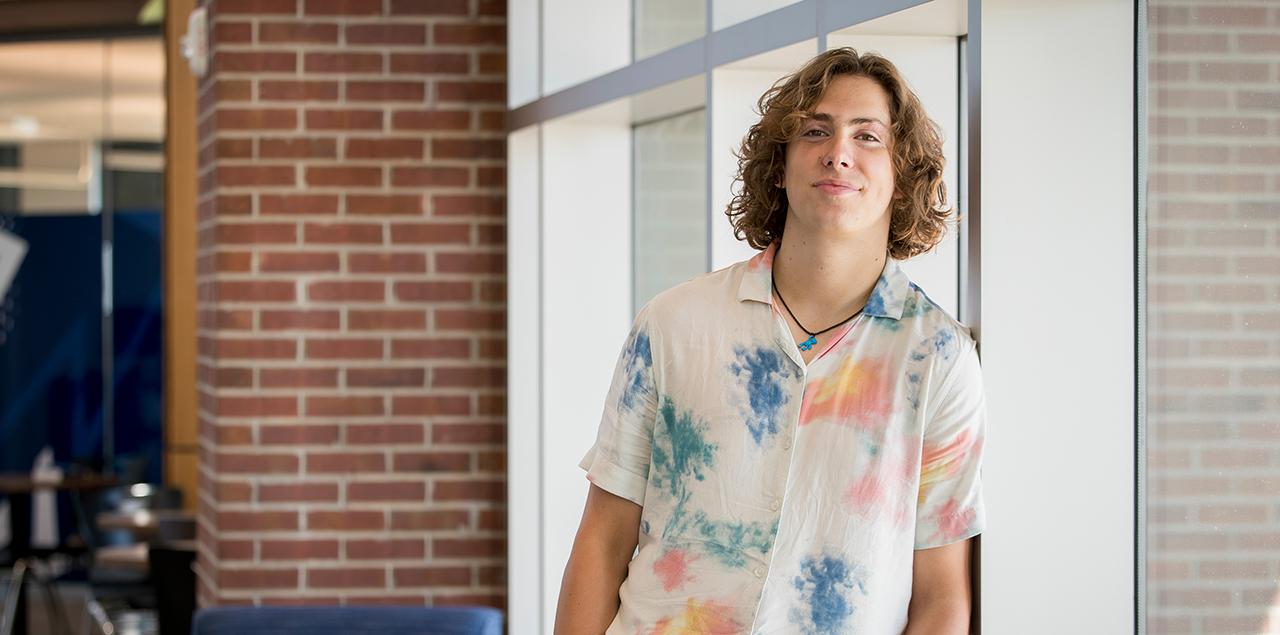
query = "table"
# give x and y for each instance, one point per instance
(144, 523)
(19, 487)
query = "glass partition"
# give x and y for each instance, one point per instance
(670, 209)
(665, 24)
(729, 12)
(81, 189)
(1212, 339)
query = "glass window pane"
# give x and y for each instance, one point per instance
(1213, 319)
(81, 185)
(670, 203)
(666, 24)
(729, 12)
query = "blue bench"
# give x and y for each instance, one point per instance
(348, 620)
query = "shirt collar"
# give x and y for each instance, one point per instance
(886, 300)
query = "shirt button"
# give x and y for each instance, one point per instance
(786, 443)
(775, 505)
(759, 572)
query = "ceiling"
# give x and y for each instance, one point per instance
(82, 89)
(27, 18)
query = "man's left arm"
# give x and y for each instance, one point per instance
(940, 591)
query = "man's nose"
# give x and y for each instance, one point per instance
(839, 152)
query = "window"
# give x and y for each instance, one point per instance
(1212, 338)
(670, 220)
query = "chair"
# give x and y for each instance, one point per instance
(174, 583)
(348, 620)
(12, 595)
(121, 583)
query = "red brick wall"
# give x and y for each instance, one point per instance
(1214, 308)
(352, 302)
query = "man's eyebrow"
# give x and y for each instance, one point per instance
(826, 118)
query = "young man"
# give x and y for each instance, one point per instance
(793, 442)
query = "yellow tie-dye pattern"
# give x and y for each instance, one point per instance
(700, 618)
(940, 463)
(858, 392)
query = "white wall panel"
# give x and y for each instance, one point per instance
(583, 39)
(1058, 322)
(522, 52)
(524, 368)
(586, 312)
(734, 94)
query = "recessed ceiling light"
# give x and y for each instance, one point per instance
(26, 126)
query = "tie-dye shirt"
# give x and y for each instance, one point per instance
(780, 497)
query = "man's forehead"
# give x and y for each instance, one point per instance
(856, 120)
(861, 99)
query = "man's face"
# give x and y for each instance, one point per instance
(839, 170)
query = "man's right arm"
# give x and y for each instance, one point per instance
(606, 540)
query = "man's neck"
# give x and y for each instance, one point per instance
(825, 280)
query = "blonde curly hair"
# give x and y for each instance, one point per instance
(919, 212)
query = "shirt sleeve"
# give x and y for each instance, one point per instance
(950, 507)
(619, 461)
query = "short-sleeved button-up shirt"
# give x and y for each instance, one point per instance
(780, 496)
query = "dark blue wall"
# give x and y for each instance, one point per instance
(51, 359)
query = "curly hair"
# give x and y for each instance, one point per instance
(919, 211)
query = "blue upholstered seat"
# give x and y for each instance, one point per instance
(348, 620)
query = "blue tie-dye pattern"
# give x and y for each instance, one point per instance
(876, 303)
(915, 304)
(680, 449)
(639, 360)
(681, 452)
(913, 379)
(729, 541)
(826, 584)
(761, 371)
(942, 343)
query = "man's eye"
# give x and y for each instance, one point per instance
(871, 137)
(814, 130)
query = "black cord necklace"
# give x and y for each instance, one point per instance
(813, 335)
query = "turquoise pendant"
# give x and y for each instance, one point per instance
(808, 344)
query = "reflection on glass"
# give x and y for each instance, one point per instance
(665, 24)
(81, 177)
(670, 164)
(1213, 315)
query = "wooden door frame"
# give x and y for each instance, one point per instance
(180, 428)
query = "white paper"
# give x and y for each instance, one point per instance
(4, 523)
(44, 504)
(12, 250)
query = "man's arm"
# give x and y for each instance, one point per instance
(606, 540)
(940, 591)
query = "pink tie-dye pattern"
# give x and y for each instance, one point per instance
(863, 492)
(871, 493)
(673, 568)
(763, 259)
(943, 462)
(700, 618)
(858, 393)
(953, 521)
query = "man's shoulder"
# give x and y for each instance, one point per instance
(934, 331)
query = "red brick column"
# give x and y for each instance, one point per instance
(352, 302)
